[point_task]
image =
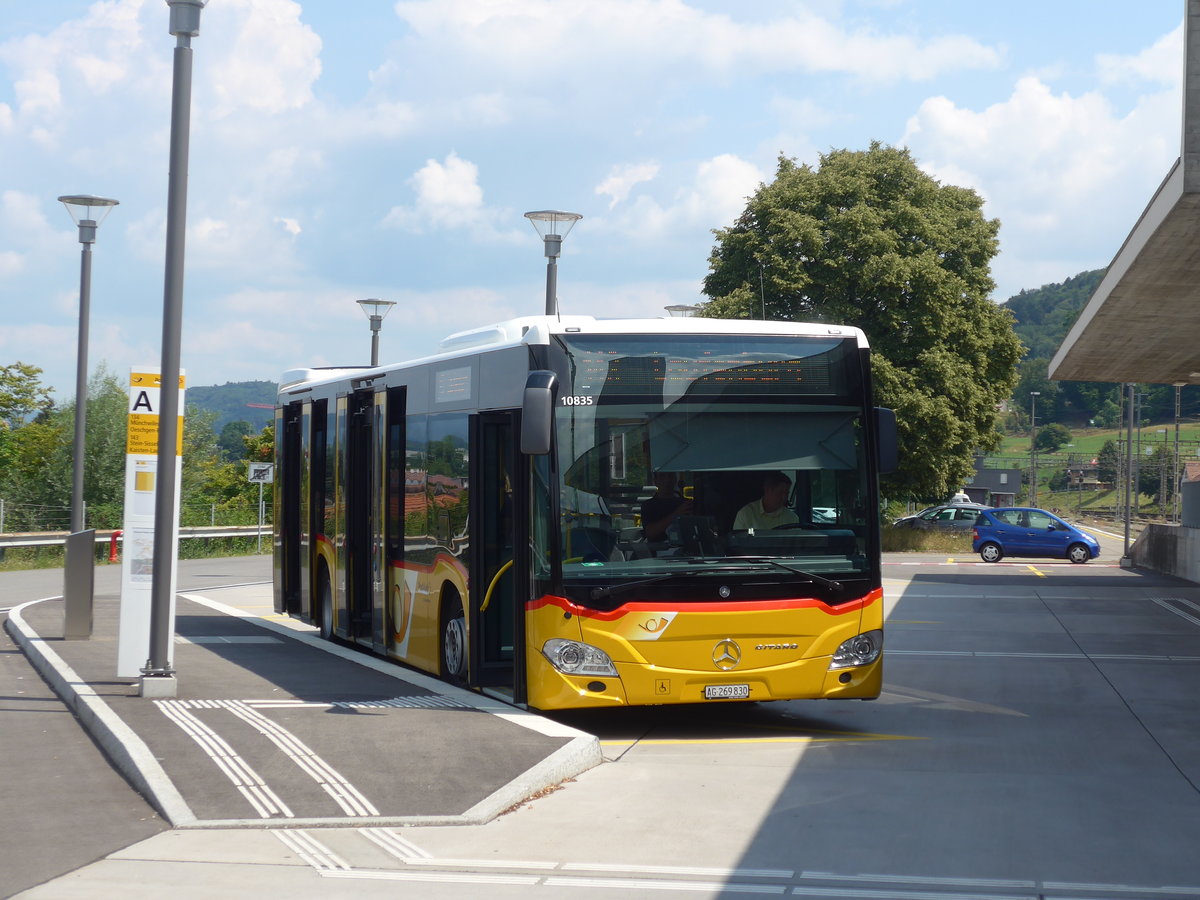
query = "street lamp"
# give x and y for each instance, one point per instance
(375, 311)
(1033, 486)
(80, 207)
(158, 675)
(682, 310)
(545, 222)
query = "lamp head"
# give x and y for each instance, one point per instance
(185, 17)
(682, 310)
(547, 222)
(80, 206)
(376, 309)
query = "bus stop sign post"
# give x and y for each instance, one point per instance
(261, 473)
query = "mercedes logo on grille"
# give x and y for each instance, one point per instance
(726, 655)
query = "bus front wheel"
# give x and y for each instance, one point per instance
(454, 639)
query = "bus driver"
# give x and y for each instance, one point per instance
(772, 510)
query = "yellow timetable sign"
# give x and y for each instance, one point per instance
(142, 436)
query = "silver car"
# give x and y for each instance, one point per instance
(946, 517)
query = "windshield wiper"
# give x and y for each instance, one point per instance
(829, 583)
(599, 593)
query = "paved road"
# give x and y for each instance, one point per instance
(64, 805)
(1037, 738)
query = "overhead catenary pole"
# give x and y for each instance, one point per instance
(1126, 562)
(1033, 395)
(184, 25)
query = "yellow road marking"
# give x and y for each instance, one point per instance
(818, 737)
(1036, 571)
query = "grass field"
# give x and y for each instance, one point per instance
(1088, 441)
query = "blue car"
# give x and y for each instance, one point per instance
(1023, 531)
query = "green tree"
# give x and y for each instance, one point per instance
(1108, 415)
(232, 437)
(21, 394)
(1108, 463)
(868, 239)
(1053, 436)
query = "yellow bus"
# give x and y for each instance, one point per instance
(573, 512)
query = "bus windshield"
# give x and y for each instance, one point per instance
(697, 464)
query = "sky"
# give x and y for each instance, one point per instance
(379, 149)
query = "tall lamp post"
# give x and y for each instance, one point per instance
(79, 569)
(546, 223)
(80, 207)
(158, 675)
(1033, 485)
(376, 310)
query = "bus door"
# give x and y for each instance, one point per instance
(363, 476)
(499, 570)
(287, 510)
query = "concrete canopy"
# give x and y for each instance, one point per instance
(1142, 324)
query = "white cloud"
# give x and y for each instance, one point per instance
(1160, 62)
(622, 179)
(535, 37)
(11, 263)
(714, 196)
(265, 59)
(92, 54)
(449, 196)
(25, 232)
(1061, 172)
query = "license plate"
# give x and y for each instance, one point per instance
(726, 691)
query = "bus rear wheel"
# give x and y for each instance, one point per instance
(454, 639)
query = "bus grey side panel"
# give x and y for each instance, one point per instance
(502, 378)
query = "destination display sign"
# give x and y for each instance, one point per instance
(613, 370)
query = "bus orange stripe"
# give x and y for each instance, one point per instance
(706, 607)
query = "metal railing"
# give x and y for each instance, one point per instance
(54, 538)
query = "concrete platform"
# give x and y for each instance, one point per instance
(273, 726)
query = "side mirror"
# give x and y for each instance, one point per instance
(537, 412)
(885, 438)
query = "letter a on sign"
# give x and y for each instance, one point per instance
(142, 402)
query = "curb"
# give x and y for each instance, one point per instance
(133, 759)
(120, 743)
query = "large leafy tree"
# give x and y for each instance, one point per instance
(868, 239)
(22, 394)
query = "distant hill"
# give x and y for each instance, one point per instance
(1045, 315)
(236, 401)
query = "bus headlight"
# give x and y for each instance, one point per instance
(860, 650)
(575, 658)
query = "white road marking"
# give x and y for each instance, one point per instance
(264, 800)
(1166, 603)
(312, 851)
(348, 797)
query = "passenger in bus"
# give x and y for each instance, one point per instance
(771, 510)
(661, 510)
